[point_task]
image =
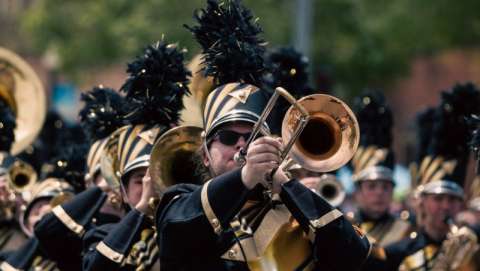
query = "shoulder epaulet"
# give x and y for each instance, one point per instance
(174, 191)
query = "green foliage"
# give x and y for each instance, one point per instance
(357, 44)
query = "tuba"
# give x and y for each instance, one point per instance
(172, 159)
(22, 91)
(321, 131)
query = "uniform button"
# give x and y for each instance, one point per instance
(232, 253)
(215, 222)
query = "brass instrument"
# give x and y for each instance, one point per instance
(331, 190)
(321, 131)
(22, 90)
(457, 250)
(171, 160)
(21, 176)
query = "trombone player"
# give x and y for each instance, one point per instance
(244, 218)
(221, 224)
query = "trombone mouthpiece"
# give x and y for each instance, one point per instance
(239, 157)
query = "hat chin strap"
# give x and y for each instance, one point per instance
(209, 157)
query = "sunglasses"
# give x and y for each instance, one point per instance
(230, 138)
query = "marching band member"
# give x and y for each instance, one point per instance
(439, 177)
(68, 222)
(158, 80)
(373, 165)
(230, 222)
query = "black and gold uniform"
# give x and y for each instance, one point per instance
(68, 222)
(374, 162)
(222, 225)
(30, 256)
(158, 80)
(440, 172)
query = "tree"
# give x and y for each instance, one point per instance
(356, 43)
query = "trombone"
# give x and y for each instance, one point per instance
(321, 131)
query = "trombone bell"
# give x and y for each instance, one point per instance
(330, 137)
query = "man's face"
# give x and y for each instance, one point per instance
(374, 197)
(135, 186)
(39, 209)
(222, 154)
(438, 207)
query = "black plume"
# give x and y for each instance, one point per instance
(424, 126)
(286, 68)
(450, 132)
(232, 50)
(69, 165)
(375, 119)
(7, 127)
(103, 112)
(376, 122)
(156, 85)
(474, 124)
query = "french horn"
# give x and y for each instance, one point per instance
(172, 157)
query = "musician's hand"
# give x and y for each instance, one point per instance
(102, 184)
(278, 179)
(263, 155)
(149, 191)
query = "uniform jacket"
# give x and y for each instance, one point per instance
(216, 226)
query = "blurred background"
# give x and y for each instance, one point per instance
(410, 49)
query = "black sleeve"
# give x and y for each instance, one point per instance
(334, 237)
(107, 247)
(189, 221)
(66, 224)
(22, 258)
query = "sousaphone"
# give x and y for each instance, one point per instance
(22, 90)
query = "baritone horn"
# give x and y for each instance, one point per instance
(321, 131)
(172, 157)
